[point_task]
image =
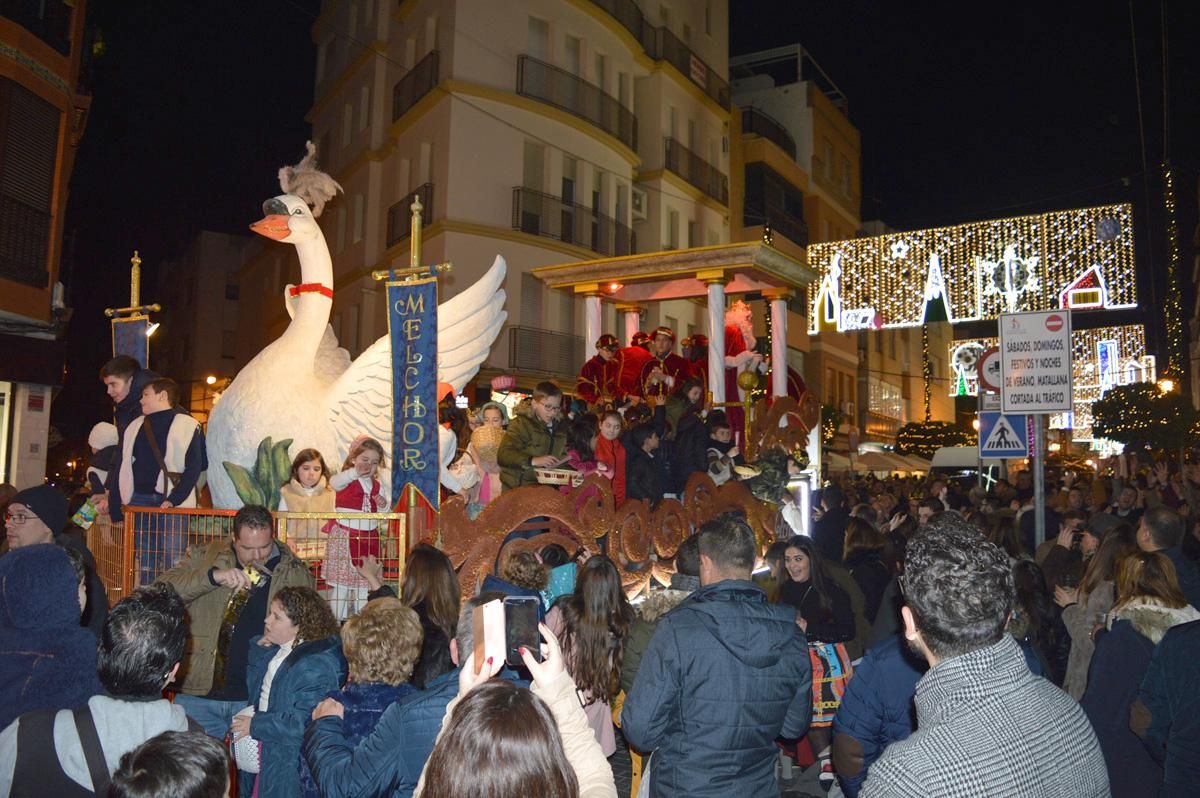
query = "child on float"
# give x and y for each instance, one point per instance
(582, 436)
(308, 491)
(359, 490)
(611, 452)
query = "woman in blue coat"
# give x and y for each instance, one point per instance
(296, 662)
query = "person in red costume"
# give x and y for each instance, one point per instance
(666, 371)
(599, 379)
(739, 356)
(632, 358)
(695, 351)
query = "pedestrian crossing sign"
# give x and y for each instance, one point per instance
(1002, 435)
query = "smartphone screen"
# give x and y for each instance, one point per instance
(521, 628)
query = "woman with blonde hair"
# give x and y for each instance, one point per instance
(381, 645)
(1149, 602)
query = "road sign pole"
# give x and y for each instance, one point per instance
(1036, 451)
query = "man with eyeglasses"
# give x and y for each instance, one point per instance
(538, 440)
(38, 515)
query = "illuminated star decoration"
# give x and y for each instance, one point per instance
(1010, 276)
(900, 249)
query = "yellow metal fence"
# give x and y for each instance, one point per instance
(151, 540)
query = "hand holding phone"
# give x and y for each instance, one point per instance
(521, 628)
(547, 669)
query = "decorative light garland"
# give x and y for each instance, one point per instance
(1084, 257)
(926, 371)
(1174, 307)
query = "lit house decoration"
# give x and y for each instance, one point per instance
(1082, 259)
(1103, 357)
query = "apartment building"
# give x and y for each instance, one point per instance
(542, 130)
(43, 112)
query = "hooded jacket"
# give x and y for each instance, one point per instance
(47, 660)
(1118, 666)
(724, 675)
(124, 412)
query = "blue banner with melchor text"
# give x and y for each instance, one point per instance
(129, 338)
(412, 325)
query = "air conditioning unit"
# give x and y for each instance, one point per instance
(639, 204)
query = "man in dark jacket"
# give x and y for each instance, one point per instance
(124, 380)
(1161, 529)
(876, 710)
(389, 761)
(829, 531)
(724, 675)
(1167, 713)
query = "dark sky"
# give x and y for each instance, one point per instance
(1009, 109)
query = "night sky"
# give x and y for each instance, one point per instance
(964, 115)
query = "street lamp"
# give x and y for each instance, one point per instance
(210, 379)
(1166, 385)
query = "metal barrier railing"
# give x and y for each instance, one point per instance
(150, 541)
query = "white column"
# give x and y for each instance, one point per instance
(591, 323)
(633, 320)
(779, 316)
(716, 340)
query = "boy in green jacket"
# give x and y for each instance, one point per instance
(534, 441)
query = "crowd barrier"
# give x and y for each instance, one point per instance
(151, 540)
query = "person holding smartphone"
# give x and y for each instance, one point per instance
(513, 742)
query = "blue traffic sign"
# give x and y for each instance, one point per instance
(1002, 435)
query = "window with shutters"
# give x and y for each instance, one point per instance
(28, 146)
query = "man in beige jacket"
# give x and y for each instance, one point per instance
(228, 586)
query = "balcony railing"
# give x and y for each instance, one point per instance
(24, 237)
(573, 94)
(672, 50)
(544, 351)
(696, 171)
(662, 45)
(544, 215)
(49, 20)
(760, 124)
(771, 199)
(399, 218)
(418, 82)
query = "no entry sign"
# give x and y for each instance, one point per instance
(1035, 362)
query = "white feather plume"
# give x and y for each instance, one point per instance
(308, 183)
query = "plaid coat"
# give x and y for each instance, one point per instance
(987, 726)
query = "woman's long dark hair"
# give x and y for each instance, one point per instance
(580, 434)
(429, 579)
(500, 742)
(816, 568)
(596, 620)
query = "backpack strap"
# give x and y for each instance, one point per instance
(170, 478)
(89, 739)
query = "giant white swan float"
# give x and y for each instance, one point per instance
(303, 387)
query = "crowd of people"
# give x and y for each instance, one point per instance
(911, 637)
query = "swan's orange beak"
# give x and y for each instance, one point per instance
(274, 226)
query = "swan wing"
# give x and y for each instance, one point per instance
(360, 401)
(468, 325)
